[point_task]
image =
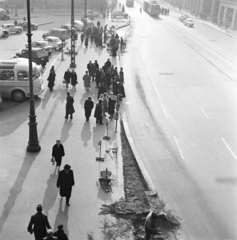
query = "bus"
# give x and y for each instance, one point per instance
(151, 7)
(14, 79)
(129, 3)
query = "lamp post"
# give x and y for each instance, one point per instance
(73, 64)
(33, 144)
(85, 14)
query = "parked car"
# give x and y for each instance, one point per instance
(24, 24)
(188, 22)
(55, 42)
(87, 20)
(183, 17)
(12, 28)
(62, 34)
(90, 13)
(43, 44)
(79, 25)
(4, 33)
(39, 55)
(118, 14)
(4, 17)
(68, 28)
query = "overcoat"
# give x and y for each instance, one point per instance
(69, 105)
(61, 235)
(102, 90)
(111, 106)
(86, 78)
(38, 224)
(51, 79)
(98, 76)
(67, 76)
(107, 79)
(88, 106)
(121, 90)
(58, 153)
(74, 79)
(98, 111)
(65, 182)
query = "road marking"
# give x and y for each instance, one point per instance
(228, 147)
(163, 110)
(203, 112)
(177, 144)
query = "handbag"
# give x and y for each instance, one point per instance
(53, 160)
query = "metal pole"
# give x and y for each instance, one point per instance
(73, 64)
(85, 13)
(33, 144)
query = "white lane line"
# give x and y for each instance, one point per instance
(177, 144)
(228, 147)
(153, 84)
(203, 112)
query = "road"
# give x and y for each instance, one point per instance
(181, 109)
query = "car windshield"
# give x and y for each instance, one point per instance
(35, 73)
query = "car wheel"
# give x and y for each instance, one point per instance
(18, 96)
(19, 31)
(6, 35)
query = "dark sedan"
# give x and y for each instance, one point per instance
(25, 25)
(4, 17)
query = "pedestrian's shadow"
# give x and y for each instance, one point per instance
(65, 130)
(83, 98)
(85, 133)
(51, 193)
(85, 50)
(98, 134)
(62, 218)
(45, 99)
(17, 187)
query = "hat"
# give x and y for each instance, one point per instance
(67, 167)
(39, 207)
(60, 226)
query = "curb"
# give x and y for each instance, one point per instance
(18, 18)
(45, 23)
(140, 163)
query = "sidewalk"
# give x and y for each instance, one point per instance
(28, 179)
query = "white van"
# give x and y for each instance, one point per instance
(14, 80)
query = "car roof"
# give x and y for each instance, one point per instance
(58, 29)
(51, 37)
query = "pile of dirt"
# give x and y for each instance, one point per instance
(135, 207)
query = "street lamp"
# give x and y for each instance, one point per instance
(33, 144)
(73, 64)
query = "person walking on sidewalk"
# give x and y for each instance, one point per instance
(111, 105)
(51, 79)
(38, 224)
(58, 153)
(86, 42)
(73, 79)
(69, 106)
(67, 77)
(60, 234)
(65, 183)
(88, 106)
(50, 235)
(98, 112)
(86, 78)
(97, 77)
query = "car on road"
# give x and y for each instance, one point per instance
(55, 42)
(90, 13)
(183, 17)
(78, 24)
(12, 28)
(4, 33)
(87, 20)
(39, 55)
(118, 14)
(43, 44)
(188, 22)
(67, 26)
(62, 34)
(4, 17)
(24, 24)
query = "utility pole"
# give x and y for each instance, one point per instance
(73, 61)
(85, 13)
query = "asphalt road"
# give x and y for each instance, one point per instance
(181, 108)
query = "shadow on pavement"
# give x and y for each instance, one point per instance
(17, 186)
(65, 130)
(85, 133)
(12, 119)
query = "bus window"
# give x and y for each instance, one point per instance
(22, 76)
(6, 75)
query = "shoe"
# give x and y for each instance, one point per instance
(68, 204)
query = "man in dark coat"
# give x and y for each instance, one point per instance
(51, 79)
(96, 64)
(65, 182)
(67, 77)
(107, 79)
(88, 106)
(73, 79)
(40, 223)
(69, 106)
(60, 234)
(98, 112)
(111, 106)
(97, 78)
(89, 65)
(108, 64)
(102, 89)
(58, 153)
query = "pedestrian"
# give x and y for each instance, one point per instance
(96, 64)
(111, 104)
(102, 90)
(82, 37)
(121, 44)
(108, 64)
(60, 234)
(65, 183)
(92, 72)
(97, 77)
(150, 224)
(58, 153)
(51, 79)
(24, 19)
(88, 66)
(74, 79)
(88, 106)
(121, 74)
(86, 78)
(107, 79)
(38, 224)
(98, 24)
(86, 42)
(50, 235)
(69, 106)
(105, 104)
(67, 77)
(121, 91)
(98, 112)
(15, 23)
